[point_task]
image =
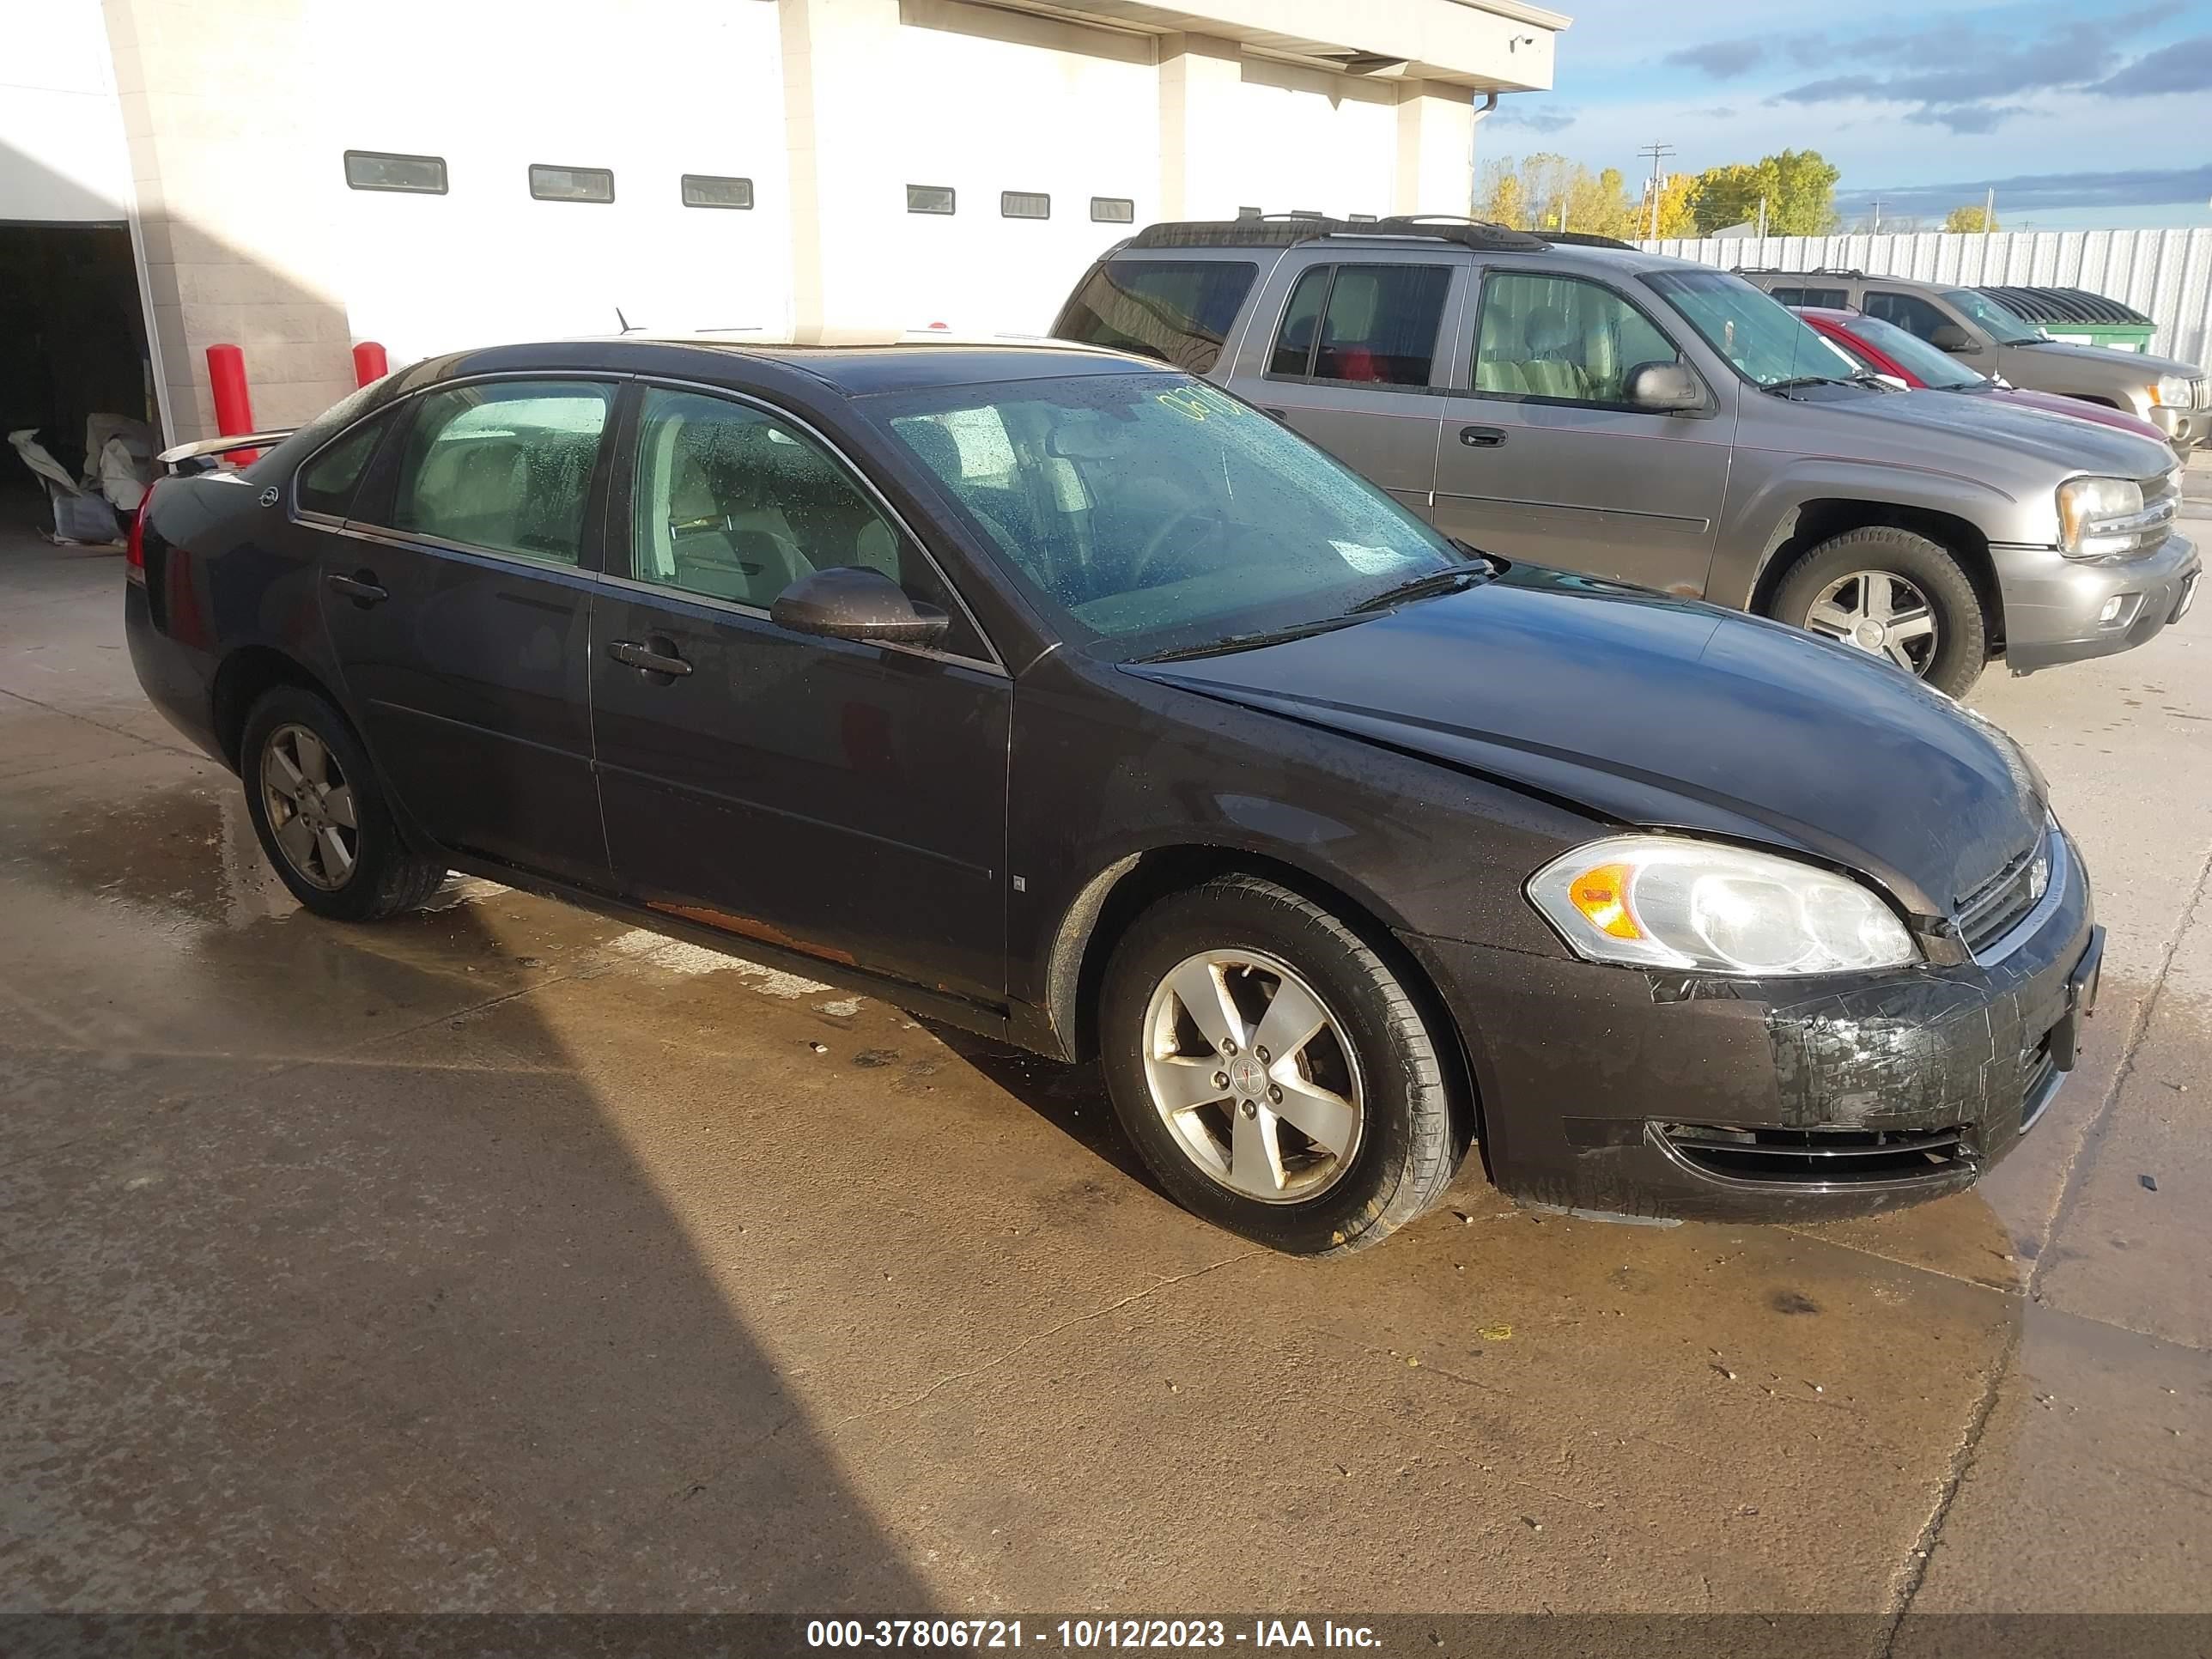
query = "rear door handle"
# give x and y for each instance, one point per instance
(645, 658)
(362, 589)
(1482, 437)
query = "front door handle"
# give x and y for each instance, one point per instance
(1482, 437)
(648, 661)
(362, 588)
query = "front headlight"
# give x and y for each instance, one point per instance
(2174, 392)
(2091, 511)
(1665, 901)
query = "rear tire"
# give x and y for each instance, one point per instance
(1825, 593)
(1324, 1147)
(321, 818)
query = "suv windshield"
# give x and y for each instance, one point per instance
(1155, 513)
(1998, 320)
(1767, 345)
(1928, 364)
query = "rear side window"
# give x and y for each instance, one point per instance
(1179, 311)
(1377, 324)
(505, 466)
(326, 484)
(1833, 299)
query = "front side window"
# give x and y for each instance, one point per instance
(1760, 339)
(1906, 310)
(729, 503)
(1994, 318)
(1561, 339)
(1151, 510)
(505, 464)
(1377, 324)
(327, 483)
(1178, 311)
(1925, 363)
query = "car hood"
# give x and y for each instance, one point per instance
(1647, 710)
(2144, 367)
(2069, 446)
(2057, 402)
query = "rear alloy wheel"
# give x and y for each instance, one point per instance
(1274, 1071)
(1895, 595)
(313, 798)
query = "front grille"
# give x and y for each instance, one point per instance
(1999, 904)
(1822, 1157)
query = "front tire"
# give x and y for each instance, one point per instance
(1273, 1072)
(321, 818)
(1894, 594)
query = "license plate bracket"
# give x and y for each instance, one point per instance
(2081, 1003)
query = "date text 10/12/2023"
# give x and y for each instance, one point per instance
(1166, 1634)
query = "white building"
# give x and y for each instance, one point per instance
(297, 175)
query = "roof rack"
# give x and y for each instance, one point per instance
(1287, 233)
(1587, 239)
(1852, 272)
(2064, 304)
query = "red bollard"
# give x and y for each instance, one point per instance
(369, 362)
(234, 408)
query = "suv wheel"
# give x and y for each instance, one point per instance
(1273, 1072)
(1895, 594)
(314, 799)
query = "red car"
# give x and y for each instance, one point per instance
(1884, 349)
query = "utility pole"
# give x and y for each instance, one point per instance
(1877, 231)
(1990, 210)
(1658, 153)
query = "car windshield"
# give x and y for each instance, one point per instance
(1153, 513)
(1764, 342)
(1928, 364)
(1994, 317)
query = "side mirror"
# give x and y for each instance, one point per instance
(1949, 337)
(1665, 388)
(853, 602)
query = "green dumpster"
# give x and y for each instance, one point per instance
(2076, 315)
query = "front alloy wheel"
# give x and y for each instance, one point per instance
(1880, 611)
(1249, 1071)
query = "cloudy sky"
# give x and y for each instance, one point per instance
(2081, 113)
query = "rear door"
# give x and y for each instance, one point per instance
(1545, 459)
(843, 798)
(1346, 352)
(458, 596)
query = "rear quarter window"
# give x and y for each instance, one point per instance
(1178, 311)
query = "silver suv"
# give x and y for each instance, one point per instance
(1603, 410)
(1989, 337)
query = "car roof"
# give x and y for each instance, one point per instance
(1840, 315)
(855, 370)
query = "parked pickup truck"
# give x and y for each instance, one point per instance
(1990, 338)
(1664, 423)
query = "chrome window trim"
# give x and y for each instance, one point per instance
(891, 514)
(383, 537)
(2054, 895)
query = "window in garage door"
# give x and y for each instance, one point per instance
(504, 466)
(1179, 311)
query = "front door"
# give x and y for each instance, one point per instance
(458, 600)
(842, 798)
(1544, 458)
(1351, 365)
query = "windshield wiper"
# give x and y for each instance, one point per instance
(1420, 587)
(1796, 381)
(1228, 642)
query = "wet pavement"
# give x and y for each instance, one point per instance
(508, 1257)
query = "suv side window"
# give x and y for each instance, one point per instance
(1561, 339)
(731, 503)
(1363, 324)
(1833, 299)
(1908, 311)
(1178, 311)
(505, 465)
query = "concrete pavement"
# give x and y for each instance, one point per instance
(505, 1257)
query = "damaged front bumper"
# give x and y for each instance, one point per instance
(1643, 1093)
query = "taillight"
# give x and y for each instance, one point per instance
(134, 545)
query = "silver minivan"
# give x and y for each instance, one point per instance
(1584, 405)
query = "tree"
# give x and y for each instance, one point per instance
(1971, 221)
(1677, 210)
(1498, 197)
(1550, 192)
(1797, 185)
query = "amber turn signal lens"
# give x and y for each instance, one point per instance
(1601, 895)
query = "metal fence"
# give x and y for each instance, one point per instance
(2165, 274)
